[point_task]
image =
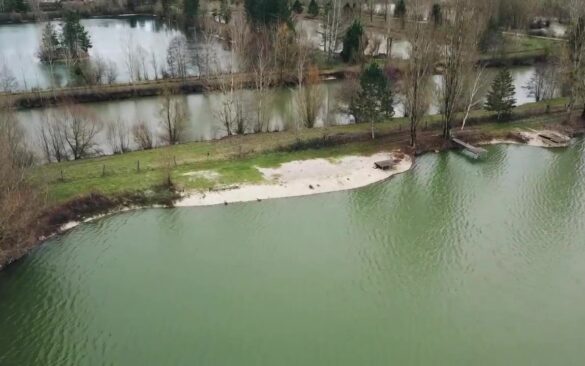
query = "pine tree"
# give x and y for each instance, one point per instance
(313, 9)
(501, 99)
(266, 12)
(74, 37)
(297, 7)
(352, 43)
(400, 12)
(374, 101)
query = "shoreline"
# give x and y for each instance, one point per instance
(295, 178)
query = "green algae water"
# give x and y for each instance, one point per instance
(456, 262)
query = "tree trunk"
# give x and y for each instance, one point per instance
(446, 129)
(413, 135)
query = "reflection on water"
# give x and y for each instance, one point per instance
(111, 39)
(204, 123)
(456, 262)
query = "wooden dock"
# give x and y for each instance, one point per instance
(475, 151)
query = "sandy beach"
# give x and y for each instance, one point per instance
(305, 177)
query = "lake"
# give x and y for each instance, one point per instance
(456, 262)
(111, 38)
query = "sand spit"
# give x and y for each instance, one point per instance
(305, 177)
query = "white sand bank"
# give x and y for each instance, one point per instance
(305, 177)
(533, 138)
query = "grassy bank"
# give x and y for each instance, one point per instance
(235, 159)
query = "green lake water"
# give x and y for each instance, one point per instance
(456, 262)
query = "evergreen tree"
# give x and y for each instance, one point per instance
(74, 37)
(437, 14)
(352, 43)
(266, 12)
(400, 12)
(500, 98)
(297, 7)
(373, 102)
(190, 11)
(313, 9)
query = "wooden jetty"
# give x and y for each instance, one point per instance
(384, 164)
(475, 151)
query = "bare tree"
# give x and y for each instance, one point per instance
(332, 27)
(262, 72)
(543, 84)
(143, 136)
(8, 81)
(13, 136)
(476, 84)
(19, 201)
(80, 130)
(118, 136)
(178, 57)
(173, 114)
(154, 64)
(142, 59)
(130, 59)
(309, 98)
(417, 76)
(458, 42)
(111, 72)
(575, 58)
(51, 136)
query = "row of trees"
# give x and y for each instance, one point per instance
(71, 132)
(19, 200)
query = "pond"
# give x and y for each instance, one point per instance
(111, 39)
(456, 262)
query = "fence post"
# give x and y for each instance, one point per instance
(137, 166)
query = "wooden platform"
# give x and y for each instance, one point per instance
(474, 150)
(384, 164)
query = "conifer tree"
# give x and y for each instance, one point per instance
(500, 98)
(75, 38)
(352, 43)
(374, 101)
(313, 9)
(297, 7)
